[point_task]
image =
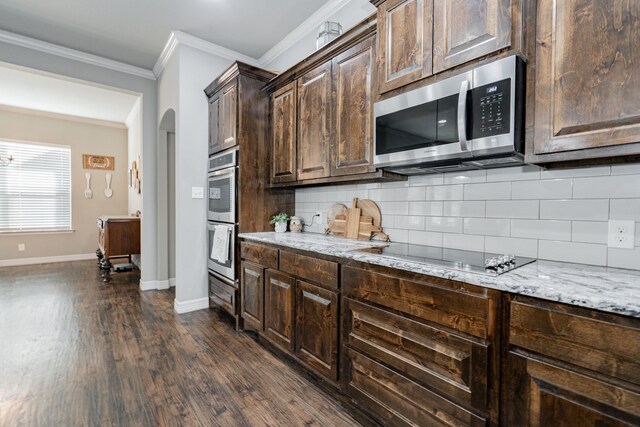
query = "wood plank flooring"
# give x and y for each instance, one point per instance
(76, 352)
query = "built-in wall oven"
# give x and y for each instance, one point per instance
(221, 214)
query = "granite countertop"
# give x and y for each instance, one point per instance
(607, 289)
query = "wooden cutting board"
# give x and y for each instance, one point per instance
(370, 208)
(334, 211)
(353, 220)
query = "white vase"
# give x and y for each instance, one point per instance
(281, 227)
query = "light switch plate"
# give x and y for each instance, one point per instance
(197, 192)
(621, 234)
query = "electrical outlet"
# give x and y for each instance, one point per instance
(21, 247)
(621, 234)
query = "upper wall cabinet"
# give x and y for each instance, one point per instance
(352, 146)
(223, 110)
(214, 123)
(322, 115)
(314, 110)
(405, 29)
(587, 79)
(283, 134)
(464, 30)
(419, 38)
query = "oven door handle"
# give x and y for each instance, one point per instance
(462, 115)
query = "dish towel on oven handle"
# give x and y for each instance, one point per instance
(220, 247)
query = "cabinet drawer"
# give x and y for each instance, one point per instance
(260, 254)
(433, 299)
(316, 270)
(584, 338)
(396, 400)
(223, 295)
(449, 364)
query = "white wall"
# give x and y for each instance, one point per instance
(349, 15)
(558, 215)
(37, 60)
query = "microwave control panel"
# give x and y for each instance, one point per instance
(491, 109)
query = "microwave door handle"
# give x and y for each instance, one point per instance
(462, 115)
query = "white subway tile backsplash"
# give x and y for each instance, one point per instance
(575, 172)
(614, 187)
(523, 209)
(624, 258)
(463, 241)
(542, 189)
(517, 173)
(628, 209)
(469, 208)
(428, 238)
(594, 210)
(487, 226)
(425, 208)
(394, 208)
(397, 235)
(444, 224)
(625, 169)
(409, 222)
(557, 214)
(581, 253)
(536, 229)
(488, 191)
(589, 232)
(434, 179)
(465, 177)
(444, 192)
(510, 245)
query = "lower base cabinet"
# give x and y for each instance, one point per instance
(252, 295)
(278, 309)
(317, 328)
(223, 295)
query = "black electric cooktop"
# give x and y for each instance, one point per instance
(473, 262)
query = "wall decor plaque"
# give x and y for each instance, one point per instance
(92, 161)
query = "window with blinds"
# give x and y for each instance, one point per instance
(35, 188)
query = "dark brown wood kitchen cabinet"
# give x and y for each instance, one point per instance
(405, 29)
(279, 303)
(284, 120)
(418, 38)
(352, 139)
(314, 123)
(252, 295)
(570, 366)
(228, 115)
(587, 80)
(464, 30)
(317, 328)
(214, 124)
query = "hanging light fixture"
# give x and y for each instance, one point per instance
(4, 161)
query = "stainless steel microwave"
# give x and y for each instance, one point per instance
(473, 120)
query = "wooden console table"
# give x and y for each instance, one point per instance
(118, 237)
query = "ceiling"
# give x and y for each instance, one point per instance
(135, 32)
(26, 89)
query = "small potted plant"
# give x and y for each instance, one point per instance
(280, 221)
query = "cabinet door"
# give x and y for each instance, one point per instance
(252, 296)
(317, 328)
(214, 124)
(352, 142)
(278, 309)
(314, 121)
(283, 136)
(587, 75)
(468, 29)
(228, 115)
(405, 42)
(543, 394)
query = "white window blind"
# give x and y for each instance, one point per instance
(35, 188)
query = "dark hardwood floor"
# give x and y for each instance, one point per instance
(76, 352)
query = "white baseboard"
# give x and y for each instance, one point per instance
(47, 259)
(172, 282)
(153, 285)
(192, 305)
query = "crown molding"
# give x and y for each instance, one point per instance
(310, 24)
(179, 38)
(76, 55)
(60, 116)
